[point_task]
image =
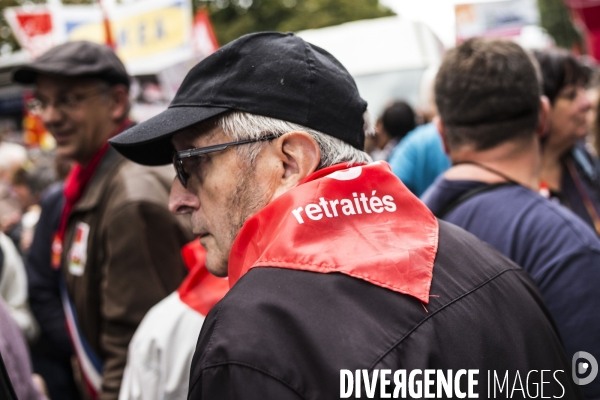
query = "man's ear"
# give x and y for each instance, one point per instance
(299, 156)
(442, 131)
(543, 117)
(119, 95)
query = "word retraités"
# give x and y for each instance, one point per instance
(334, 208)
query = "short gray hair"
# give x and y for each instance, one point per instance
(240, 125)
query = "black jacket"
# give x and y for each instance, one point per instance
(51, 353)
(285, 334)
(43, 289)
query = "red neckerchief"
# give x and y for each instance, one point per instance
(75, 184)
(200, 290)
(360, 221)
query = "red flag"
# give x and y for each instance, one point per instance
(108, 37)
(204, 39)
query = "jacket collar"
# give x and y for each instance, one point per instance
(93, 194)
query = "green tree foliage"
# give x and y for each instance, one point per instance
(555, 18)
(233, 18)
(8, 43)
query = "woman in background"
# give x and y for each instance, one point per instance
(569, 172)
(397, 120)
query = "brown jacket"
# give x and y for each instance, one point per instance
(129, 262)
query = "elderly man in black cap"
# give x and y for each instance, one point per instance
(117, 244)
(342, 280)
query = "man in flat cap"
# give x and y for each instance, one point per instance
(342, 280)
(117, 244)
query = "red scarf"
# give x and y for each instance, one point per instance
(200, 290)
(360, 221)
(75, 185)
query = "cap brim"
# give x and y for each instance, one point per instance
(149, 143)
(26, 74)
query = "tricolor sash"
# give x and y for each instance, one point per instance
(89, 362)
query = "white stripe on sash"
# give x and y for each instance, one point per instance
(90, 363)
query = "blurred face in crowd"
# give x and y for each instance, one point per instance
(25, 196)
(568, 119)
(80, 113)
(224, 188)
(381, 137)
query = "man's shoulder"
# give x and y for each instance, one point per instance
(119, 181)
(443, 192)
(533, 216)
(468, 261)
(142, 193)
(312, 313)
(132, 182)
(161, 350)
(423, 134)
(295, 291)
(536, 233)
(300, 327)
(303, 327)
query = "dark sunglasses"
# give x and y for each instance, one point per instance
(178, 156)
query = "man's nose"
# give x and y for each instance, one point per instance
(182, 200)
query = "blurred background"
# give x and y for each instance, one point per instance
(387, 45)
(392, 48)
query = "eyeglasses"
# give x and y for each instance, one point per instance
(178, 156)
(65, 103)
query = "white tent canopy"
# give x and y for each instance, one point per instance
(378, 45)
(386, 56)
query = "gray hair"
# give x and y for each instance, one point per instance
(240, 125)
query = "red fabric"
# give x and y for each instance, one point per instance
(91, 390)
(392, 246)
(200, 290)
(589, 14)
(75, 185)
(34, 24)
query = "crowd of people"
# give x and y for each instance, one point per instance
(259, 236)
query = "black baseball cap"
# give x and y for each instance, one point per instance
(271, 74)
(78, 59)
